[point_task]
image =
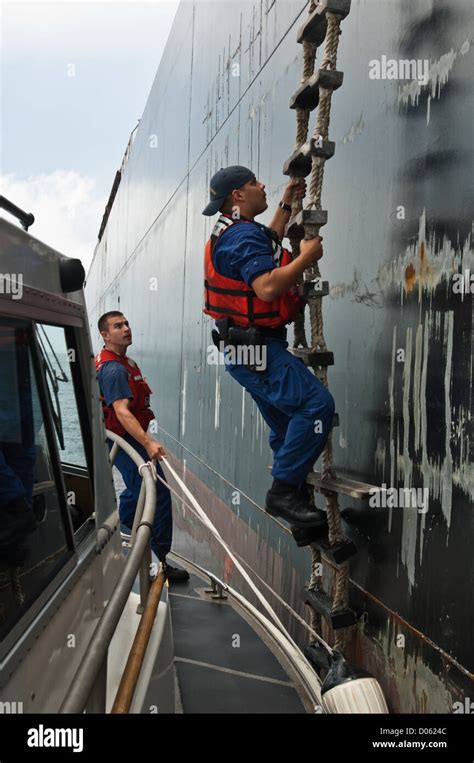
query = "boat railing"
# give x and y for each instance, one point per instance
(89, 685)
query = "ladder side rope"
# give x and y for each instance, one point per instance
(341, 576)
(302, 126)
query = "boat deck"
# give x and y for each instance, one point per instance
(223, 663)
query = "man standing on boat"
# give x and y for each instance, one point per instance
(125, 398)
(249, 280)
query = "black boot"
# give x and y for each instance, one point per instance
(287, 501)
(307, 491)
(175, 574)
(305, 535)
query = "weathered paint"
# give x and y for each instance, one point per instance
(439, 72)
(400, 226)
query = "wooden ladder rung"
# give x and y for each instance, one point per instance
(352, 488)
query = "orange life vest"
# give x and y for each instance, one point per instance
(230, 298)
(140, 403)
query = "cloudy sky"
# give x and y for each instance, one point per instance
(75, 76)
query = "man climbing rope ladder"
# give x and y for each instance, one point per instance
(248, 289)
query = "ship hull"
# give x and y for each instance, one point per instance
(399, 229)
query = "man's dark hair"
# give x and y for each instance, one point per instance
(103, 322)
(227, 205)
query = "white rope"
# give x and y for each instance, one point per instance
(205, 519)
(199, 512)
(151, 466)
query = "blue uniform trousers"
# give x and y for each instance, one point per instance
(295, 405)
(163, 524)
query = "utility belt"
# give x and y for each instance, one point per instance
(244, 336)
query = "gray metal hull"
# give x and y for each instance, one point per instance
(398, 193)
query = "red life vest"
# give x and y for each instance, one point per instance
(227, 297)
(140, 403)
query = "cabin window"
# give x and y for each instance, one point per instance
(61, 364)
(35, 532)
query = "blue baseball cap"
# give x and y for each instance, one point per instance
(223, 183)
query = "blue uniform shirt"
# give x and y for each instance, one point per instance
(113, 382)
(243, 252)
